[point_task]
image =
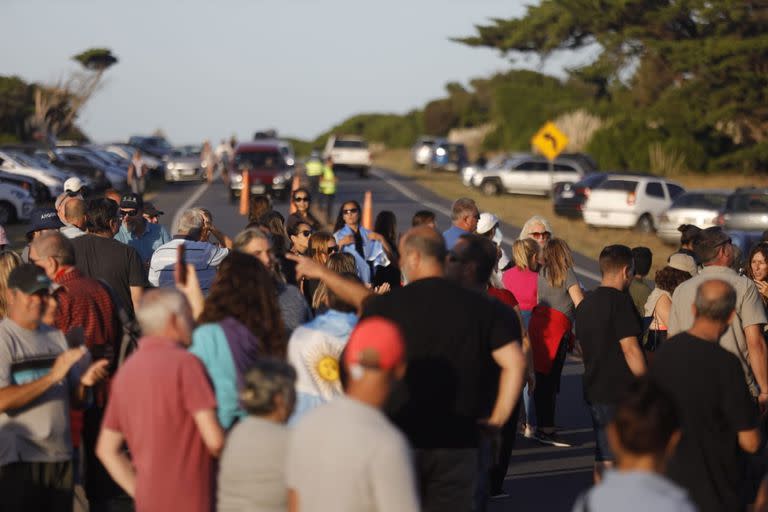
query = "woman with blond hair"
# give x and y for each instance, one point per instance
(9, 260)
(522, 281)
(537, 228)
(559, 293)
(321, 246)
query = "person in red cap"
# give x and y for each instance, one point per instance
(346, 454)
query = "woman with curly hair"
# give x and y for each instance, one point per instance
(680, 268)
(240, 322)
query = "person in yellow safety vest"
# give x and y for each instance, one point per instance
(328, 188)
(314, 169)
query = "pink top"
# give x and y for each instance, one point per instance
(522, 283)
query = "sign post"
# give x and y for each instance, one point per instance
(550, 142)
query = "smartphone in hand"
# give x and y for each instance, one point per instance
(181, 265)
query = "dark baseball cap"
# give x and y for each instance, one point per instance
(131, 201)
(29, 279)
(151, 210)
(44, 218)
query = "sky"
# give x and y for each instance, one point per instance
(205, 69)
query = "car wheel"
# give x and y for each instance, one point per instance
(7, 213)
(645, 224)
(490, 188)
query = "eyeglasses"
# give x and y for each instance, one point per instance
(539, 234)
(302, 199)
(350, 211)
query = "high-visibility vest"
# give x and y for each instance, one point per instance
(328, 181)
(314, 168)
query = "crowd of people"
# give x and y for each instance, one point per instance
(302, 369)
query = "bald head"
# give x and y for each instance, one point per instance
(426, 242)
(715, 301)
(74, 211)
(54, 245)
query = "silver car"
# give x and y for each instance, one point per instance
(746, 210)
(697, 207)
(421, 152)
(184, 164)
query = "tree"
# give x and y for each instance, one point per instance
(57, 106)
(692, 66)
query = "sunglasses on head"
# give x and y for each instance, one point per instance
(350, 211)
(301, 199)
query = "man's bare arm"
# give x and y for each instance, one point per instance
(210, 431)
(633, 355)
(512, 362)
(109, 450)
(757, 355)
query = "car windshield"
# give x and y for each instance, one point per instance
(259, 159)
(703, 200)
(496, 162)
(24, 159)
(350, 144)
(621, 185)
(186, 151)
(746, 203)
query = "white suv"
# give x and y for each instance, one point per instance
(630, 201)
(521, 173)
(348, 151)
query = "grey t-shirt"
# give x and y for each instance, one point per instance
(634, 491)
(293, 307)
(557, 298)
(251, 476)
(39, 431)
(749, 311)
(347, 457)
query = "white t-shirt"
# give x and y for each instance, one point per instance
(346, 456)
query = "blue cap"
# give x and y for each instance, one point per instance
(44, 218)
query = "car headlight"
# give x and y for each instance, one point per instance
(170, 166)
(440, 152)
(237, 178)
(476, 180)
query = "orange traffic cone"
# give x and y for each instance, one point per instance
(295, 184)
(367, 210)
(245, 194)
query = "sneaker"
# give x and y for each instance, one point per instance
(551, 439)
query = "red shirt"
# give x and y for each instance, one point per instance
(86, 302)
(154, 397)
(505, 296)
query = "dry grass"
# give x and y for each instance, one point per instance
(516, 209)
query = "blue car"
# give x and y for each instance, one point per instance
(448, 156)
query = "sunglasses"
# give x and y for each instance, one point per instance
(128, 213)
(333, 249)
(350, 211)
(540, 234)
(304, 232)
(302, 199)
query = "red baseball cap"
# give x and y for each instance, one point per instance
(375, 343)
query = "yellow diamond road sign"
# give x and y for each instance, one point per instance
(550, 141)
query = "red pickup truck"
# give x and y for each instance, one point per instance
(268, 172)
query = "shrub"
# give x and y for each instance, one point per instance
(623, 145)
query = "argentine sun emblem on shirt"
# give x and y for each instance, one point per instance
(322, 362)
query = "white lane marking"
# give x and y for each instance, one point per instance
(415, 197)
(188, 203)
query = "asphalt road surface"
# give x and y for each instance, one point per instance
(540, 478)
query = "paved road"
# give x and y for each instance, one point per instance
(539, 477)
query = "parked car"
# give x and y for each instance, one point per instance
(36, 189)
(183, 164)
(154, 146)
(126, 151)
(448, 156)
(570, 197)
(745, 210)
(522, 173)
(348, 152)
(21, 164)
(630, 201)
(116, 177)
(697, 207)
(16, 204)
(268, 172)
(72, 161)
(421, 152)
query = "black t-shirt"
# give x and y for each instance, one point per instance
(707, 383)
(603, 318)
(111, 261)
(451, 379)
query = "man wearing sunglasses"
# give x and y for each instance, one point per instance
(744, 337)
(464, 218)
(136, 231)
(302, 199)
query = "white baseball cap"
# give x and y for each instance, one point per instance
(73, 184)
(486, 223)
